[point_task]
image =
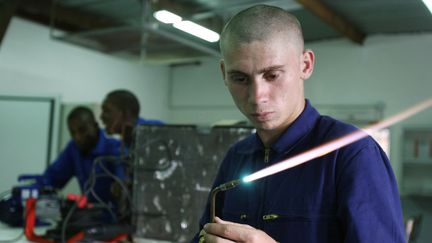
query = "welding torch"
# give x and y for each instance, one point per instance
(220, 188)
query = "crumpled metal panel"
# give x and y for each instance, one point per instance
(174, 168)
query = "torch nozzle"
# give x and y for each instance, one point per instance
(228, 185)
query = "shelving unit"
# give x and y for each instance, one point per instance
(417, 161)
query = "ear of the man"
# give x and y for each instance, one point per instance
(308, 61)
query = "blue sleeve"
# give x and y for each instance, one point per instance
(368, 198)
(116, 167)
(155, 122)
(61, 170)
(119, 167)
(119, 171)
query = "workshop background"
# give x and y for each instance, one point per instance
(372, 61)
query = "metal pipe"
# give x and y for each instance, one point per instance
(223, 187)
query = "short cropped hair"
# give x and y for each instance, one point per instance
(125, 101)
(82, 113)
(259, 22)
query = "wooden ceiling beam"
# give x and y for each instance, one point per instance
(329, 16)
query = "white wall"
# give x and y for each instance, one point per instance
(198, 95)
(31, 62)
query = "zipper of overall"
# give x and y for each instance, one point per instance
(264, 183)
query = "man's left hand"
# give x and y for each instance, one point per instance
(225, 231)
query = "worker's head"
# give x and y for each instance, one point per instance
(119, 107)
(83, 128)
(264, 65)
(261, 23)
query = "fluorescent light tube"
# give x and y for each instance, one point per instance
(167, 17)
(428, 4)
(197, 30)
(190, 27)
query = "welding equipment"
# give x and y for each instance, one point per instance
(73, 218)
(11, 204)
(80, 221)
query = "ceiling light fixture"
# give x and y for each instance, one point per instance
(197, 30)
(167, 17)
(190, 27)
(428, 4)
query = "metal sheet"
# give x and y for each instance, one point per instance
(174, 168)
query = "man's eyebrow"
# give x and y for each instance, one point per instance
(271, 68)
(230, 72)
(266, 69)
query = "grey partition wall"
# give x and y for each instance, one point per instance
(173, 171)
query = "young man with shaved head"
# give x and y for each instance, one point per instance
(348, 195)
